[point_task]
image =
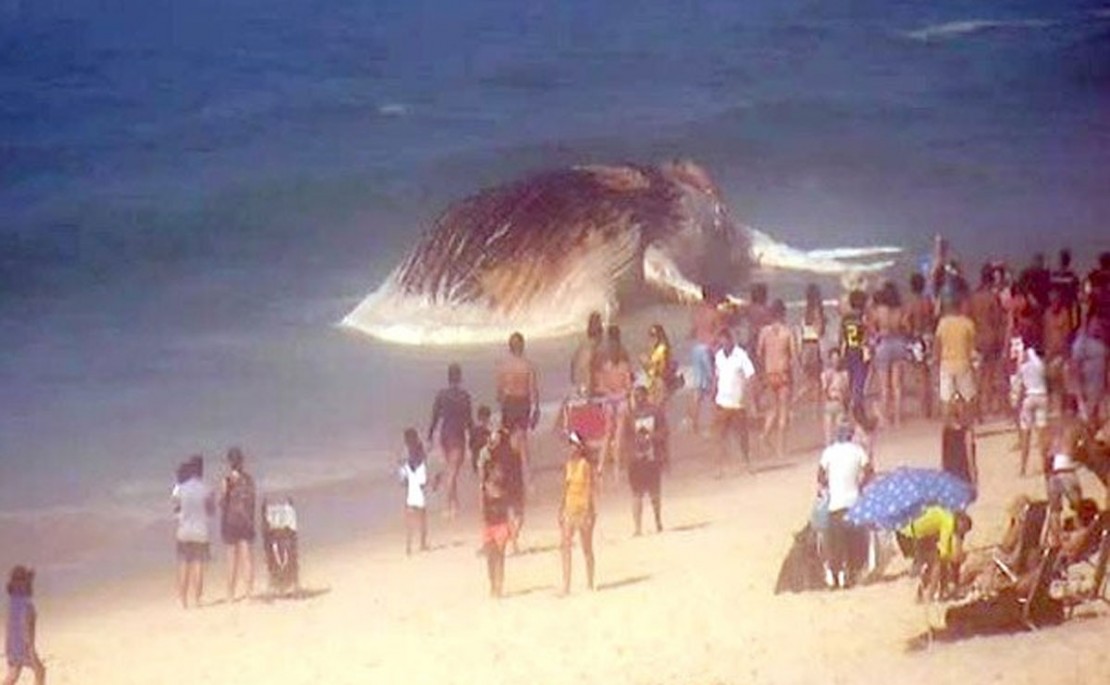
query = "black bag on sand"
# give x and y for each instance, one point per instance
(801, 569)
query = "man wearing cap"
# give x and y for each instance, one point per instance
(842, 471)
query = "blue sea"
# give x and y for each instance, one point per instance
(193, 194)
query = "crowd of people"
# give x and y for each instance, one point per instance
(1029, 348)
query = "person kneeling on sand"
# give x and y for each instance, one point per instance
(20, 644)
(577, 513)
(649, 457)
(937, 536)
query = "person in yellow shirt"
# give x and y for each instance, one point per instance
(576, 511)
(657, 365)
(955, 344)
(937, 535)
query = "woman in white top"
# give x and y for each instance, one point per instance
(1033, 390)
(414, 476)
(193, 503)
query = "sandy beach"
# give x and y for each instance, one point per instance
(694, 604)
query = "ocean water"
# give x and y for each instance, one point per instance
(193, 194)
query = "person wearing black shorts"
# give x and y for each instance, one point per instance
(649, 458)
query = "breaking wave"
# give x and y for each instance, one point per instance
(956, 29)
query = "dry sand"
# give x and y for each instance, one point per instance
(692, 605)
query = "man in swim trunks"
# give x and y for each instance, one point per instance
(920, 324)
(451, 413)
(707, 320)
(989, 317)
(777, 351)
(518, 394)
(955, 343)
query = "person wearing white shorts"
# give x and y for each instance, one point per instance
(1033, 414)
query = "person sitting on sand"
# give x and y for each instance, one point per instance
(497, 528)
(577, 512)
(237, 517)
(193, 503)
(413, 474)
(649, 456)
(957, 440)
(937, 536)
(21, 647)
(451, 414)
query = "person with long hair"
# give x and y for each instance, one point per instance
(891, 350)
(237, 516)
(658, 365)
(413, 474)
(451, 414)
(810, 334)
(20, 645)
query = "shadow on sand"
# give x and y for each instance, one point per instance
(624, 582)
(300, 594)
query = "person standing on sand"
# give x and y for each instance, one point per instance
(957, 444)
(498, 529)
(577, 511)
(989, 318)
(413, 474)
(451, 413)
(649, 458)
(1032, 387)
(479, 436)
(734, 371)
(587, 358)
(843, 469)
(811, 333)
(193, 503)
(659, 367)
(955, 338)
(237, 516)
(834, 389)
(891, 351)
(1088, 359)
(501, 450)
(707, 320)
(615, 386)
(518, 393)
(777, 351)
(920, 324)
(20, 645)
(855, 353)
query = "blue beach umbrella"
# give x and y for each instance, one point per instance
(898, 497)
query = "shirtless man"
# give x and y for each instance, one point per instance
(777, 351)
(920, 321)
(518, 394)
(707, 321)
(888, 320)
(987, 313)
(614, 382)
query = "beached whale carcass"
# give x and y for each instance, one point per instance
(538, 254)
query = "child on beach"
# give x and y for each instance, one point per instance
(20, 645)
(193, 503)
(576, 510)
(479, 435)
(958, 443)
(834, 388)
(497, 528)
(413, 474)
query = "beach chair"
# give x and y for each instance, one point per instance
(1026, 605)
(1021, 559)
(1097, 554)
(585, 416)
(279, 537)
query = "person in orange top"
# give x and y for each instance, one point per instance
(955, 343)
(576, 511)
